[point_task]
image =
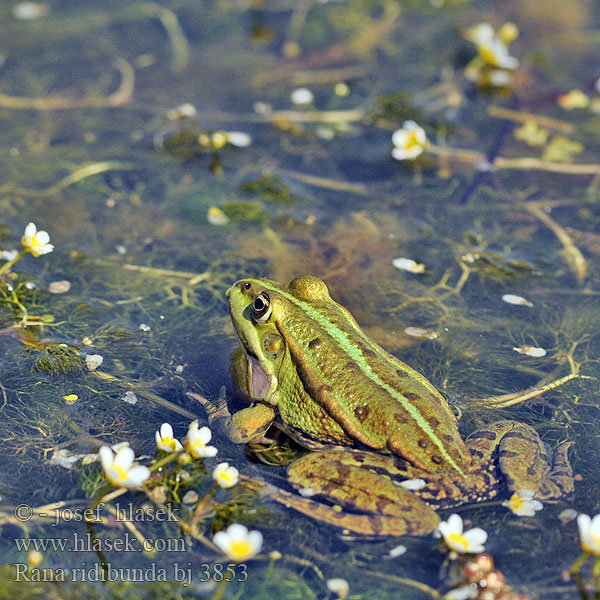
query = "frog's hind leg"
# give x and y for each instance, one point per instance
(364, 500)
(525, 461)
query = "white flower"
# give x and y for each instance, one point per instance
(239, 139)
(589, 533)
(8, 254)
(302, 96)
(165, 440)
(225, 475)
(338, 586)
(523, 504)
(408, 264)
(215, 216)
(237, 543)
(36, 241)
(516, 300)
(530, 351)
(120, 469)
(196, 439)
(409, 141)
(492, 48)
(470, 541)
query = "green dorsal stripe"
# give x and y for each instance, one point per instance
(342, 338)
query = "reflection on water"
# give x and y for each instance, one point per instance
(439, 174)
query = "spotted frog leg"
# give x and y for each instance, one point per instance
(523, 460)
(367, 488)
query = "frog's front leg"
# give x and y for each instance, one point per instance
(525, 461)
(365, 500)
(247, 425)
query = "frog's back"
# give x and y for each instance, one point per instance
(375, 398)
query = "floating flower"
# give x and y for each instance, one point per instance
(408, 264)
(36, 241)
(589, 533)
(215, 216)
(302, 96)
(516, 300)
(120, 469)
(226, 476)
(470, 541)
(240, 139)
(196, 439)
(530, 351)
(237, 543)
(9, 254)
(492, 48)
(409, 141)
(523, 504)
(338, 586)
(165, 440)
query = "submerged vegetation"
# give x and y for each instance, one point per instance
(435, 163)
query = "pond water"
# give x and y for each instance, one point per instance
(171, 148)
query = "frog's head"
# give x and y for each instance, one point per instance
(254, 306)
(262, 312)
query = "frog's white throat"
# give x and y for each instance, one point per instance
(260, 384)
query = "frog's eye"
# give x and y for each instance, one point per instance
(261, 308)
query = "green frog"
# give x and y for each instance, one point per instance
(386, 450)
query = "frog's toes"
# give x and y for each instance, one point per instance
(527, 463)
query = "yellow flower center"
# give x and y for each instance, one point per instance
(169, 442)
(412, 140)
(516, 502)
(487, 54)
(458, 541)
(595, 549)
(225, 477)
(240, 550)
(121, 474)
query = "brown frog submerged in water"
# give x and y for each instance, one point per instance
(377, 427)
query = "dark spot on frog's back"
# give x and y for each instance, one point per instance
(352, 367)
(423, 443)
(436, 459)
(366, 351)
(434, 422)
(362, 412)
(412, 396)
(401, 373)
(314, 343)
(400, 418)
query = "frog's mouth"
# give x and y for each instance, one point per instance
(259, 382)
